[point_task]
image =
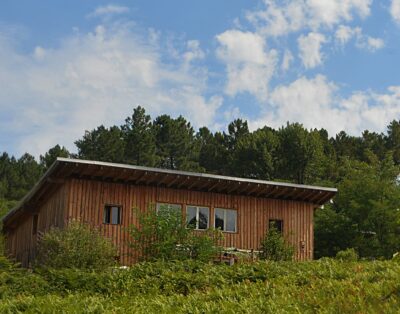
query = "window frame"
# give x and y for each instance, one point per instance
(197, 216)
(110, 206)
(275, 220)
(168, 204)
(225, 220)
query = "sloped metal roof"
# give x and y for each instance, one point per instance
(64, 168)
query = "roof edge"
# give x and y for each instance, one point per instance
(61, 160)
(196, 174)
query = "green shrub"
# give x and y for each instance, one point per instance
(274, 247)
(163, 235)
(77, 246)
(348, 255)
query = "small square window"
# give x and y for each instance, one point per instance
(277, 224)
(112, 214)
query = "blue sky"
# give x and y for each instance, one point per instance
(69, 66)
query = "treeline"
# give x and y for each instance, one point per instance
(365, 168)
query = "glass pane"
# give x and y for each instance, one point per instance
(115, 215)
(191, 216)
(176, 207)
(231, 218)
(277, 224)
(219, 218)
(107, 215)
(203, 217)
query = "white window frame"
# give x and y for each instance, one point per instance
(225, 220)
(197, 216)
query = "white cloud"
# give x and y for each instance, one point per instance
(331, 12)
(310, 49)
(52, 95)
(108, 10)
(288, 16)
(345, 33)
(249, 65)
(372, 44)
(395, 10)
(316, 103)
(194, 51)
(279, 19)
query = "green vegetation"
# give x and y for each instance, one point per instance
(274, 247)
(76, 246)
(326, 286)
(349, 255)
(163, 235)
(365, 215)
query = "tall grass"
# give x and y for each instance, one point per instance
(326, 286)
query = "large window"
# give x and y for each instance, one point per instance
(225, 219)
(277, 224)
(198, 217)
(167, 206)
(112, 214)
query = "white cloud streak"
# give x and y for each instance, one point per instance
(52, 95)
(288, 16)
(345, 33)
(316, 102)
(108, 10)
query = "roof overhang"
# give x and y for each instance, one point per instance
(64, 168)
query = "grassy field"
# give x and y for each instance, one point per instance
(325, 286)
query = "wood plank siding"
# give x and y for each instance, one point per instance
(20, 241)
(85, 200)
(80, 190)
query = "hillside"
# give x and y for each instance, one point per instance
(326, 286)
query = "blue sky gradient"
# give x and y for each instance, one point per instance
(69, 66)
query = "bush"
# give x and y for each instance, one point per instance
(163, 235)
(348, 255)
(274, 247)
(77, 246)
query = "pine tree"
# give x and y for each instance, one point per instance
(50, 157)
(176, 146)
(139, 137)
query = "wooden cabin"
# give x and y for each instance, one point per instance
(104, 194)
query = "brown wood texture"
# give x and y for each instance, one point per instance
(20, 240)
(87, 199)
(84, 200)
